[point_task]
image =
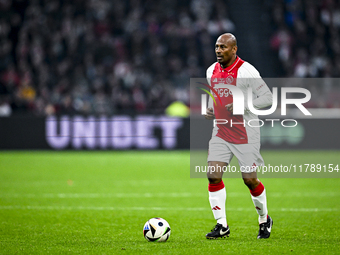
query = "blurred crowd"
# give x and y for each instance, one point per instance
(104, 56)
(307, 41)
(137, 56)
(307, 37)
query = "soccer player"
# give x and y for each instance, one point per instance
(235, 137)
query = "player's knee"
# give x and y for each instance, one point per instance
(214, 180)
(251, 183)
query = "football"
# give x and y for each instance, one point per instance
(156, 230)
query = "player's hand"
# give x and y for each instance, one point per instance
(229, 107)
(210, 114)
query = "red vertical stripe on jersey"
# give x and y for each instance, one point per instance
(236, 133)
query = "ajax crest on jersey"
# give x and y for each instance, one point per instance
(156, 230)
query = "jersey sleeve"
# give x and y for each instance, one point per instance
(263, 95)
(209, 74)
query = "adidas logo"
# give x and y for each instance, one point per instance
(216, 208)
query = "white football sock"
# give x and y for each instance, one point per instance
(217, 201)
(260, 203)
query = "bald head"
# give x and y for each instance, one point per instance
(228, 38)
(225, 49)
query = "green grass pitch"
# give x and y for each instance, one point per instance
(98, 202)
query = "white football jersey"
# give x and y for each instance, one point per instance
(239, 129)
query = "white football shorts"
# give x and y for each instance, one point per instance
(248, 155)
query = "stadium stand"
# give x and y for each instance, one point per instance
(137, 56)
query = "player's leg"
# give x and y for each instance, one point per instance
(249, 159)
(258, 195)
(218, 159)
(217, 199)
(217, 192)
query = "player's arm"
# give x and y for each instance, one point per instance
(210, 114)
(229, 107)
(261, 92)
(210, 110)
(264, 96)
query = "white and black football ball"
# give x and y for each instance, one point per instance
(156, 230)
